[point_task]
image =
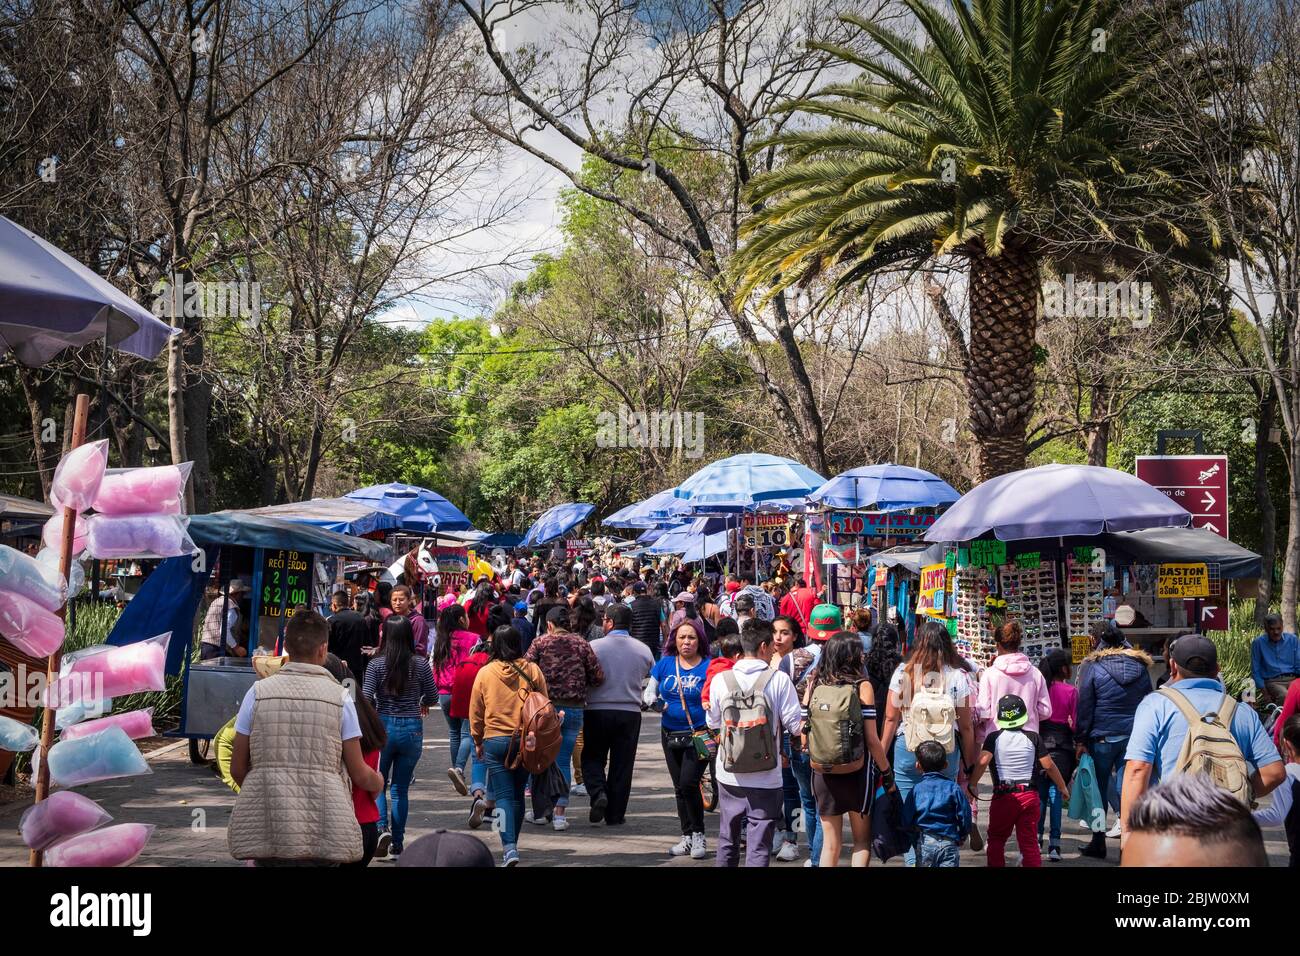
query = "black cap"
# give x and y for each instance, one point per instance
(557, 615)
(442, 848)
(639, 587)
(1195, 652)
(1012, 712)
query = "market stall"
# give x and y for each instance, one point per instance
(894, 581)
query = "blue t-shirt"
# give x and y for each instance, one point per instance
(674, 718)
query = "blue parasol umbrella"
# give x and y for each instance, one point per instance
(652, 512)
(557, 522)
(885, 488)
(1055, 501)
(421, 511)
(50, 301)
(748, 480)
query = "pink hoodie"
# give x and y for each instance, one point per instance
(1013, 674)
(462, 642)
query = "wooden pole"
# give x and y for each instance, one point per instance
(52, 662)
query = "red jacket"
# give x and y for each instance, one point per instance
(716, 666)
(799, 604)
(462, 685)
(363, 802)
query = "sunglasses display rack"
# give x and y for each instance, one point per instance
(974, 635)
(1084, 594)
(1030, 594)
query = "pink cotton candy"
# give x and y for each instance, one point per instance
(129, 669)
(118, 845)
(32, 579)
(77, 479)
(137, 536)
(143, 491)
(28, 626)
(63, 813)
(52, 534)
(137, 724)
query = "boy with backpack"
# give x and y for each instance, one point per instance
(1016, 757)
(1192, 725)
(936, 811)
(749, 706)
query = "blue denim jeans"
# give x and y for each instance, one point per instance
(1108, 757)
(1050, 798)
(569, 731)
(810, 822)
(458, 738)
(938, 852)
(906, 776)
(507, 791)
(397, 764)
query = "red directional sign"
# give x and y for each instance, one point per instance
(1200, 484)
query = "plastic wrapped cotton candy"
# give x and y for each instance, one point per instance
(28, 626)
(77, 479)
(137, 724)
(33, 579)
(52, 534)
(106, 755)
(130, 669)
(81, 710)
(17, 737)
(49, 558)
(137, 536)
(143, 491)
(118, 845)
(61, 814)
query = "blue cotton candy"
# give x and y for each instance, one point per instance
(81, 710)
(102, 756)
(17, 737)
(25, 576)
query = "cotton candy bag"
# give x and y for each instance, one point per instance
(52, 533)
(118, 845)
(137, 536)
(106, 755)
(129, 669)
(51, 559)
(143, 491)
(63, 813)
(28, 626)
(17, 737)
(136, 724)
(81, 710)
(31, 578)
(77, 479)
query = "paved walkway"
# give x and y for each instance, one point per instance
(191, 806)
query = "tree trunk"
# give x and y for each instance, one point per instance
(1000, 374)
(1098, 430)
(1291, 570)
(1264, 502)
(46, 460)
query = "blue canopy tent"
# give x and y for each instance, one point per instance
(420, 510)
(502, 539)
(557, 522)
(885, 488)
(340, 515)
(662, 508)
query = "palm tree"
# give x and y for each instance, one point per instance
(1016, 137)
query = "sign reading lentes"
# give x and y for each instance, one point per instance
(1183, 581)
(934, 579)
(1080, 645)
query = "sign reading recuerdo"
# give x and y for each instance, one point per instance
(286, 579)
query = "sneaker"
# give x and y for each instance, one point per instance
(681, 848)
(1114, 832)
(779, 841)
(511, 858)
(458, 780)
(1054, 854)
(598, 806)
(808, 863)
(382, 847)
(1097, 853)
(699, 849)
(976, 840)
(393, 856)
(578, 790)
(788, 853)
(560, 823)
(528, 817)
(476, 811)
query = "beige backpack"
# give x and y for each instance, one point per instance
(1210, 748)
(931, 716)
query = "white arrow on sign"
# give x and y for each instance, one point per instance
(1210, 525)
(1208, 501)
(1207, 611)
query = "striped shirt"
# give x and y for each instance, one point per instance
(421, 690)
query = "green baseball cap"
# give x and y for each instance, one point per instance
(1012, 712)
(824, 621)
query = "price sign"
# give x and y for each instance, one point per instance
(988, 554)
(1079, 648)
(1029, 560)
(934, 580)
(286, 579)
(1183, 581)
(767, 531)
(843, 522)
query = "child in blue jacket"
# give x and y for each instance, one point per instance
(936, 811)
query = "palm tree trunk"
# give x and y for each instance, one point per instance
(1000, 374)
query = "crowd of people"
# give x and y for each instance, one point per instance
(772, 709)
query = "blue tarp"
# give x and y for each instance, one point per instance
(262, 531)
(341, 515)
(502, 539)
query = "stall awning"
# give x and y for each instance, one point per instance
(13, 508)
(341, 515)
(502, 539)
(1178, 545)
(262, 531)
(909, 558)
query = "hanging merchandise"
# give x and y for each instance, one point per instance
(78, 476)
(129, 669)
(118, 845)
(28, 626)
(974, 637)
(79, 710)
(136, 724)
(17, 737)
(52, 534)
(49, 558)
(137, 536)
(143, 491)
(106, 755)
(1029, 588)
(1084, 596)
(32, 579)
(60, 815)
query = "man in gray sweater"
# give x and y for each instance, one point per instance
(611, 722)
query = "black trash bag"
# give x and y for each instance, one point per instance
(888, 838)
(547, 788)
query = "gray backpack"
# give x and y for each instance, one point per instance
(748, 741)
